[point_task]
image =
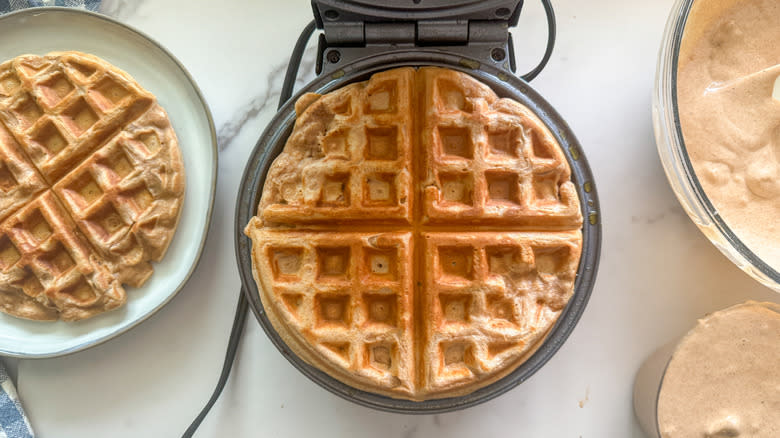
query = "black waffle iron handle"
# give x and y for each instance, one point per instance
(475, 30)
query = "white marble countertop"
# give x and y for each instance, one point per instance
(658, 272)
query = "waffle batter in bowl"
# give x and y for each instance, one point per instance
(730, 121)
(718, 125)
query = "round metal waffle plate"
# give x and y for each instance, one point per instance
(270, 145)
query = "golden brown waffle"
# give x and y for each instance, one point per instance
(52, 266)
(490, 160)
(81, 141)
(346, 295)
(455, 282)
(489, 298)
(349, 159)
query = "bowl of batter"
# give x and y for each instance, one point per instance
(719, 380)
(716, 112)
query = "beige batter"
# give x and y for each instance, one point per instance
(724, 377)
(729, 62)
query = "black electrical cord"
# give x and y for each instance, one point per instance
(242, 308)
(295, 63)
(548, 10)
(235, 336)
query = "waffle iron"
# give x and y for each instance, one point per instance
(360, 38)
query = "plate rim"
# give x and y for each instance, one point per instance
(58, 352)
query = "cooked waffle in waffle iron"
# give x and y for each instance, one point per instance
(418, 236)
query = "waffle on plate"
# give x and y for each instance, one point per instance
(418, 236)
(92, 183)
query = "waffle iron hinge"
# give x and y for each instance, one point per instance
(477, 31)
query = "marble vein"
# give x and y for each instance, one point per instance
(411, 432)
(228, 131)
(674, 210)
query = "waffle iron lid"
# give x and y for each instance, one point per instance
(356, 29)
(341, 11)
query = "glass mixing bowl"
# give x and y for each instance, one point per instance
(677, 165)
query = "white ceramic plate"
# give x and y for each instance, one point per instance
(39, 31)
